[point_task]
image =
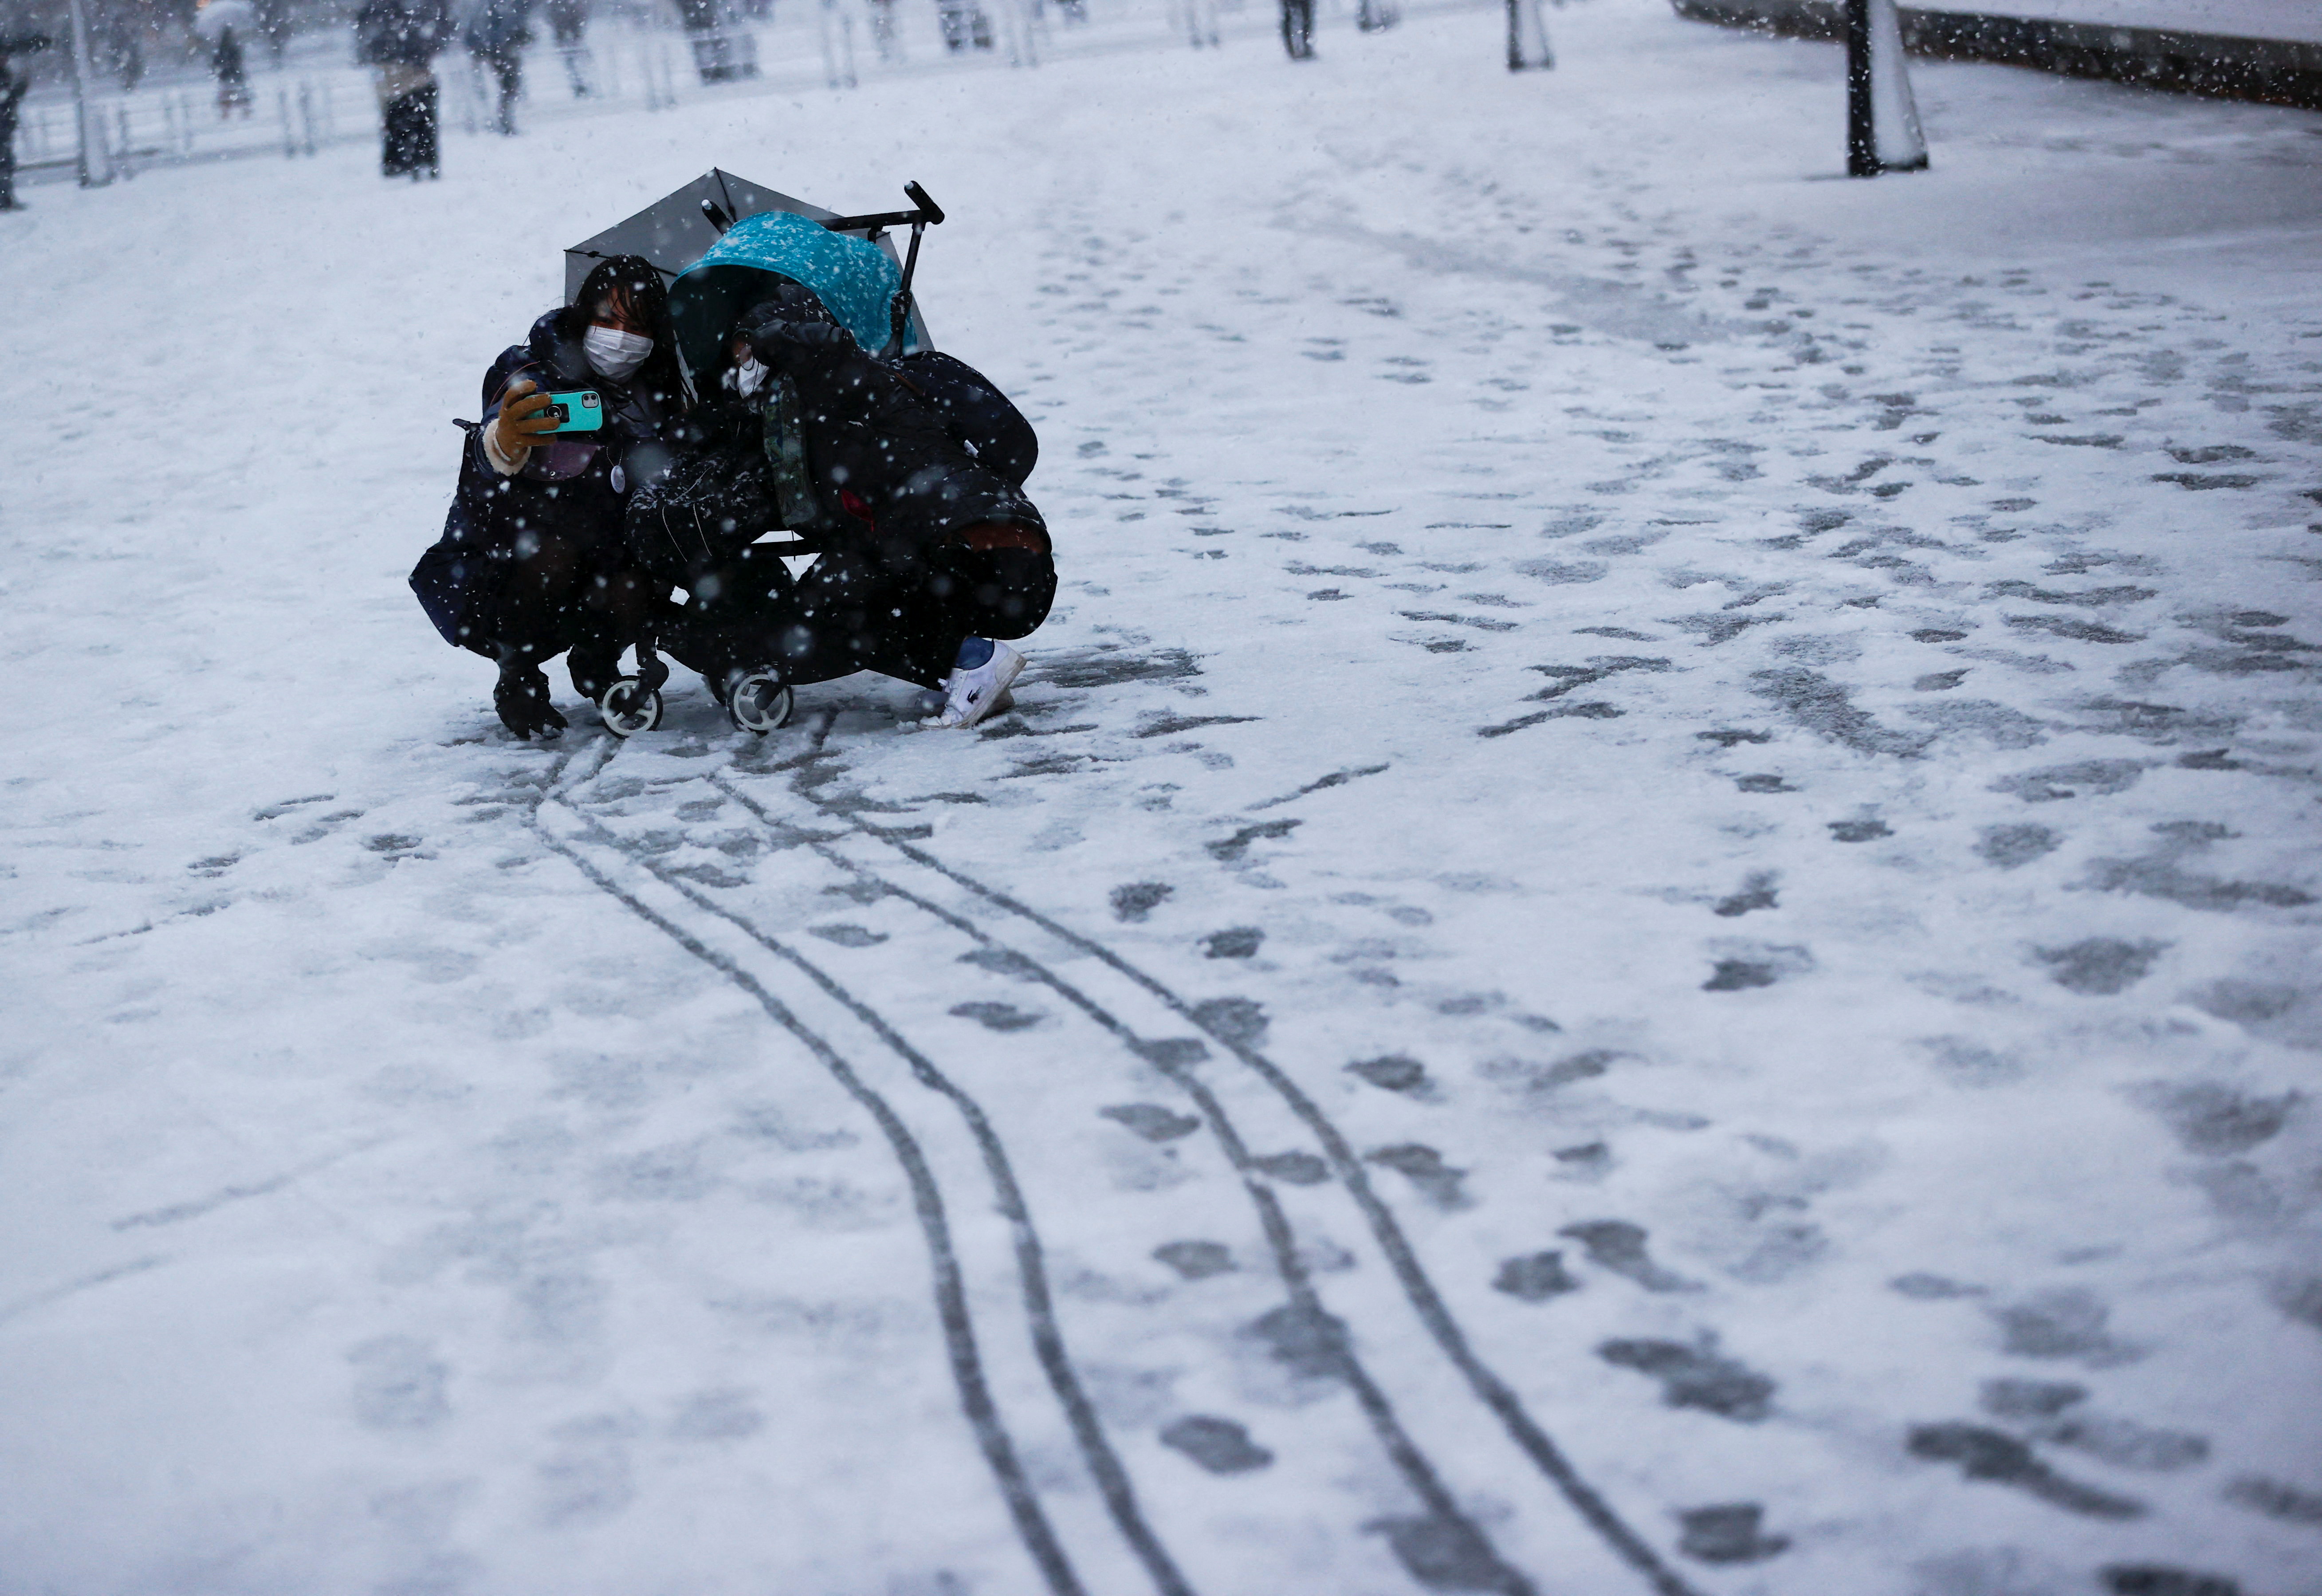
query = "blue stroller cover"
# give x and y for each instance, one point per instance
(853, 278)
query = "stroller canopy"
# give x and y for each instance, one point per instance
(854, 280)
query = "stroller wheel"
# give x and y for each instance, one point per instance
(758, 702)
(629, 706)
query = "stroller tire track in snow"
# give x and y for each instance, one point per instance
(1447, 1539)
(1442, 1545)
(992, 1437)
(1229, 1028)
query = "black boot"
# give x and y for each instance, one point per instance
(521, 696)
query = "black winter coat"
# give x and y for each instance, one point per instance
(402, 32)
(572, 489)
(886, 465)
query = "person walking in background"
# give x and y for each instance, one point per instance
(883, 30)
(1298, 29)
(233, 75)
(568, 21)
(495, 34)
(14, 81)
(401, 39)
(272, 18)
(126, 45)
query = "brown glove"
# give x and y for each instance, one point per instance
(521, 422)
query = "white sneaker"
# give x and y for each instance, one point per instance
(971, 693)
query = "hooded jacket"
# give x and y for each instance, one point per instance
(573, 488)
(885, 465)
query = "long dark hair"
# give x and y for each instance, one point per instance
(635, 283)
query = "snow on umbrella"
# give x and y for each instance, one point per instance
(715, 271)
(218, 15)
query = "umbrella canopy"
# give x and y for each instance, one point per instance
(218, 15)
(674, 234)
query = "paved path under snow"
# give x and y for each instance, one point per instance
(1648, 922)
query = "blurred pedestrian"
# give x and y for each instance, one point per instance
(272, 18)
(964, 23)
(14, 81)
(1298, 29)
(713, 44)
(495, 34)
(568, 21)
(401, 39)
(127, 46)
(233, 75)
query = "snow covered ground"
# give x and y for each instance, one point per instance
(1648, 924)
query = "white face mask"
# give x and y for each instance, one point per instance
(615, 354)
(746, 377)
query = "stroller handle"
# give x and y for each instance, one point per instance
(929, 211)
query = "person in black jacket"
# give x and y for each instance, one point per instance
(532, 562)
(907, 476)
(230, 66)
(495, 35)
(401, 39)
(14, 81)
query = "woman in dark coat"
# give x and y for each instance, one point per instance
(401, 39)
(532, 561)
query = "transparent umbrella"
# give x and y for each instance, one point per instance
(218, 15)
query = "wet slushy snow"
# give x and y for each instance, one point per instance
(1647, 922)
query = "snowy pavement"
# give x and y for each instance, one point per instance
(1648, 922)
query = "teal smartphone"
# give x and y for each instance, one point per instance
(578, 411)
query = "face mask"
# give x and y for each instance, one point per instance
(746, 377)
(612, 354)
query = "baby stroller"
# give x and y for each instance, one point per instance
(721, 522)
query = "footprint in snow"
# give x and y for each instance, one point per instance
(1151, 1121)
(1729, 1532)
(1296, 1169)
(1424, 1167)
(1195, 1261)
(1696, 1376)
(1240, 942)
(997, 1016)
(2100, 967)
(1395, 1072)
(1218, 1444)
(1988, 1455)
(1534, 1278)
(1617, 1245)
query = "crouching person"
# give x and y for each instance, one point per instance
(532, 562)
(908, 478)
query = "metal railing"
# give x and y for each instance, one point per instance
(318, 96)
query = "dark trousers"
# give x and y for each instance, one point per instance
(9, 157)
(508, 71)
(410, 126)
(849, 613)
(1298, 28)
(557, 596)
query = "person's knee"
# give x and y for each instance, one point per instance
(986, 536)
(545, 565)
(1012, 590)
